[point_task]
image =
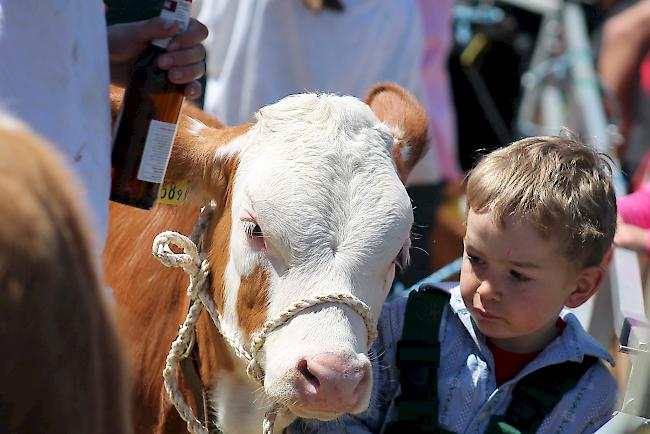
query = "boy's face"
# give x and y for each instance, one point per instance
(514, 283)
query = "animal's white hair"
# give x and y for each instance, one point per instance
(316, 174)
(318, 116)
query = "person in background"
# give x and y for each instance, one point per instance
(624, 69)
(260, 51)
(633, 229)
(58, 59)
(439, 170)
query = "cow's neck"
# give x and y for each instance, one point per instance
(240, 403)
(237, 401)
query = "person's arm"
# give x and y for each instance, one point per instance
(632, 237)
(626, 37)
(184, 60)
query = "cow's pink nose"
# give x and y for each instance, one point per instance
(330, 383)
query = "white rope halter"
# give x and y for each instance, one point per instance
(198, 271)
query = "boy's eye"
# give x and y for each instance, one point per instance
(518, 276)
(474, 260)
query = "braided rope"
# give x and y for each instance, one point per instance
(255, 371)
(198, 271)
(180, 348)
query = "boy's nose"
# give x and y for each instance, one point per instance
(488, 291)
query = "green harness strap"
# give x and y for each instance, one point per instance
(418, 358)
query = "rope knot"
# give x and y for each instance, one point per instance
(189, 260)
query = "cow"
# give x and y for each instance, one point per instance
(310, 202)
(62, 370)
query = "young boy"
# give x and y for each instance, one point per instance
(541, 217)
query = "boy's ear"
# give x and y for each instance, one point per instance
(587, 283)
(608, 257)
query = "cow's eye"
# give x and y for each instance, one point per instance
(403, 257)
(252, 229)
(399, 260)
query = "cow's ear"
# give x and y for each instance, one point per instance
(407, 119)
(194, 155)
(200, 155)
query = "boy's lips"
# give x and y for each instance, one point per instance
(486, 314)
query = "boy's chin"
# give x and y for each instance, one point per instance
(517, 343)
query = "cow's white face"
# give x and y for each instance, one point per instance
(313, 204)
(318, 207)
(318, 185)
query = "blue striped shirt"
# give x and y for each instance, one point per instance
(467, 390)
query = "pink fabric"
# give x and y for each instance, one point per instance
(635, 207)
(436, 27)
(644, 73)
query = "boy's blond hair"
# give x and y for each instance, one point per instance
(560, 186)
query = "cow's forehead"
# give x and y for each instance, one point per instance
(322, 142)
(318, 167)
(315, 114)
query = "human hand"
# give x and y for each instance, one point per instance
(631, 237)
(184, 60)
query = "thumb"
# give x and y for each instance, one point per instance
(129, 39)
(154, 28)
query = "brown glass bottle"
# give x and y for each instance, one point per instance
(145, 129)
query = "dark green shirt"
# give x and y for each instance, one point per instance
(126, 11)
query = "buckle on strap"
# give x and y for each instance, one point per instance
(411, 353)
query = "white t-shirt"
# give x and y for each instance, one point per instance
(54, 75)
(260, 51)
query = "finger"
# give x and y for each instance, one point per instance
(185, 57)
(195, 33)
(186, 74)
(193, 90)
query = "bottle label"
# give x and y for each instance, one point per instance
(157, 150)
(173, 193)
(175, 10)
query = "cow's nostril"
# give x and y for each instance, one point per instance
(303, 368)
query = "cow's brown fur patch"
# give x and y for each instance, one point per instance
(252, 301)
(151, 298)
